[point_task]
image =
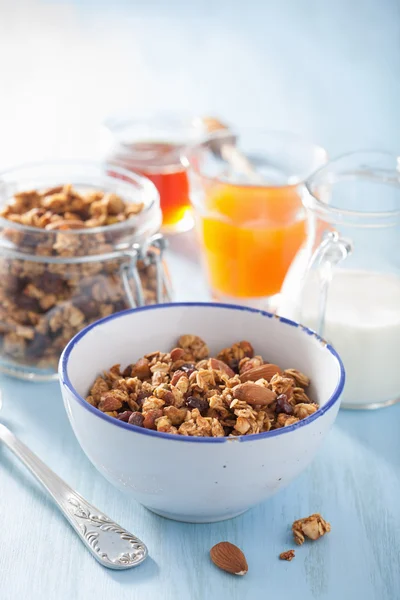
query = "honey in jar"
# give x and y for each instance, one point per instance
(152, 146)
(160, 162)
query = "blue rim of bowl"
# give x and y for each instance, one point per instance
(66, 382)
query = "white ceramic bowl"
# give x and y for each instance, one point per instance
(189, 478)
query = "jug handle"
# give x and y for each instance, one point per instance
(332, 251)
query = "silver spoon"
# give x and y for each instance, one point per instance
(111, 545)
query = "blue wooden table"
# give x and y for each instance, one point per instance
(328, 70)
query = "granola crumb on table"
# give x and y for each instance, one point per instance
(287, 555)
(187, 392)
(312, 527)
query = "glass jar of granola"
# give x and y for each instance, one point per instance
(78, 241)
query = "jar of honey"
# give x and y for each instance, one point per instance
(245, 190)
(152, 146)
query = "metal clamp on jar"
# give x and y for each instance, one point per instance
(58, 278)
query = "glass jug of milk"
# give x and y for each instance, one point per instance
(345, 281)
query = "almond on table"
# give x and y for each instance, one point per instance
(186, 391)
(230, 558)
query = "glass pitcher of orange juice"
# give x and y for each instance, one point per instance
(245, 190)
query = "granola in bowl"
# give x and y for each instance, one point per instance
(186, 477)
(188, 392)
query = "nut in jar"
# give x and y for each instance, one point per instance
(79, 244)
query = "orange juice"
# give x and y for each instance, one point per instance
(250, 236)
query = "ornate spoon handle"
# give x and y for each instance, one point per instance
(111, 545)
